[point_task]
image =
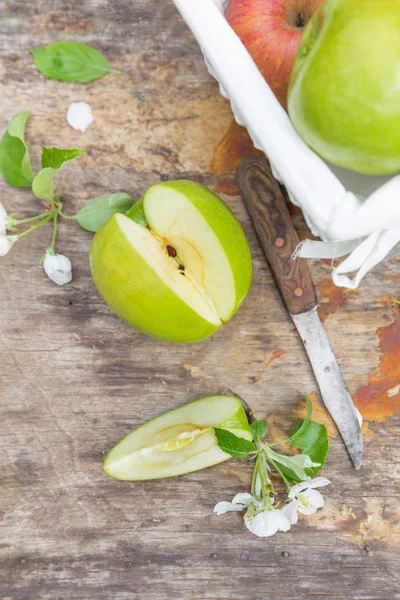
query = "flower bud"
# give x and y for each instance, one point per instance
(57, 267)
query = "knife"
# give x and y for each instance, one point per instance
(266, 204)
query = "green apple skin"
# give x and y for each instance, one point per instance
(344, 96)
(136, 213)
(138, 455)
(135, 292)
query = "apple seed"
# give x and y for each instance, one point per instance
(171, 251)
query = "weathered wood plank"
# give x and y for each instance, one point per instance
(74, 378)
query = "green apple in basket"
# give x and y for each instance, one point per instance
(176, 266)
(179, 441)
(344, 96)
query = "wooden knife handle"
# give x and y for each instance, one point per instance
(266, 204)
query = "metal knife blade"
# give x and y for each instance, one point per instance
(330, 380)
(267, 207)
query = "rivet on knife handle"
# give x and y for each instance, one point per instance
(264, 200)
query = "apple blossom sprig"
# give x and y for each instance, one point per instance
(15, 166)
(265, 514)
(10, 223)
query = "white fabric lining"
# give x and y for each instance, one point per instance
(354, 215)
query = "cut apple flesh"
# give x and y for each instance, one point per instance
(178, 442)
(176, 219)
(207, 238)
(155, 254)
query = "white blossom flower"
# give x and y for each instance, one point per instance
(58, 268)
(261, 520)
(305, 499)
(6, 243)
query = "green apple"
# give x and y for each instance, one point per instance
(176, 266)
(344, 96)
(179, 441)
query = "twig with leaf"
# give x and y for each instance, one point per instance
(265, 515)
(15, 166)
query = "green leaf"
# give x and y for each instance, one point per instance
(305, 423)
(312, 439)
(70, 61)
(295, 468)
(15, 164)
(42, 185)
(98, 210)
(53, 159)
(258, 429)
(313, 442)
(290, 475)
(233, 445)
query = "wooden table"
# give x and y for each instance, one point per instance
(74, 378)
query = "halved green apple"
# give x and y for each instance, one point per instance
(179, 441)
(176, 266)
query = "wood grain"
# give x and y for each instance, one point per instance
(266, 205)
(74, 378)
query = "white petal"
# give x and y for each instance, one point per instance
(261, 525)
(317, 482)
(280, 520)
(79, 116)
(296, 489)
(245, 499)
(223, 507)
(58, 268)
(267, 523)
(3, 219)
(290, 511)
(5, 245)
(310, 501)
(304, 485)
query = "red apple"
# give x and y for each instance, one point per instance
(272, 30)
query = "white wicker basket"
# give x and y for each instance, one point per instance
(354, 215)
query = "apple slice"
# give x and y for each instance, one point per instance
(179, 441)
(176, 266)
